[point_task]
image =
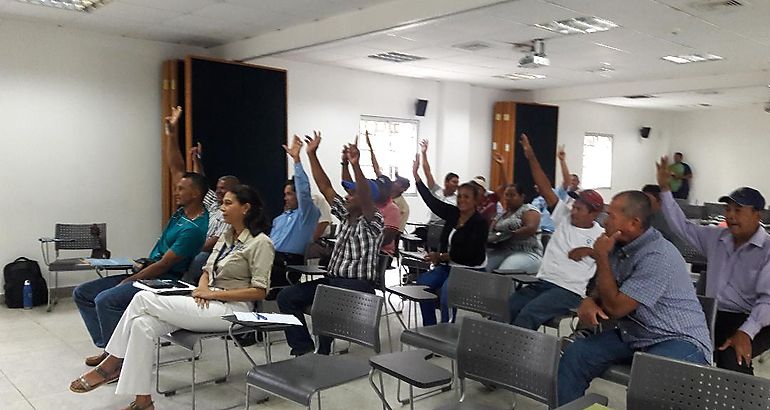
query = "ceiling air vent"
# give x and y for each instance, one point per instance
(395, 57)
(640, 96)
(717, 5)
(472, 46)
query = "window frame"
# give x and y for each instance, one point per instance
(611, 138)
(412, 191)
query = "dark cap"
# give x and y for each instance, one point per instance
(589, 197)
(384, 183)
(404, 183)
(375, 192)
(746, 196)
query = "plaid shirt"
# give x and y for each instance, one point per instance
(217, 224)
(358, 244)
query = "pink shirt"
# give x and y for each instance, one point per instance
(391, 216)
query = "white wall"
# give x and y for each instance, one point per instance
(79, 137)
(726, 149)
(458, 121)
(633, 157)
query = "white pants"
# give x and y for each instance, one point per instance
(150, 316)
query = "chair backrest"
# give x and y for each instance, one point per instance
(519, 360)
(81, 236)
(714, 209)
(691, 255)
(479, 292)
(709, 306)
(348, 315)
(693, 211)
(663, 383)
(433, 238)
(383, 261)
(681, 202)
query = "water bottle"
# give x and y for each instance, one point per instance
(27, 295)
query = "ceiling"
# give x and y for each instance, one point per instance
(204, 23)
(649, 30)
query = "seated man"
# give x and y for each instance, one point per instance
(212, 200)
(353, 263)
(567, 264)
(293, 229)
(643, 282)
(737, 274)
(102, 301)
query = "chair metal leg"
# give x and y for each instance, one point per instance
(387, 325)
(248, 396)
(319, 399)
(381, 391)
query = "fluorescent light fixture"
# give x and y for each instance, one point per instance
(692, 58)
(578, 25)
(521, 76)
(85, 6)
(612, 48)
(395, 57)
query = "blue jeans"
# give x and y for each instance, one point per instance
(101, 303)
(533, 305)
(505, 259)
(436, 281)
(588, 358)
(296, 298)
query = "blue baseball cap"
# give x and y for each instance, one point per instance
(375, 192)
(746, 196)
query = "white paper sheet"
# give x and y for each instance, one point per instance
(277, 318)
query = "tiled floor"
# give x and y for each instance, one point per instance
(40, 353)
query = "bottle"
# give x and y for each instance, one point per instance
(27, 294)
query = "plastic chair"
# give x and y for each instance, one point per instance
(662, 383)
(622, 373)
(91, 237)
(714, 209)
(693, 211)
(338, 313)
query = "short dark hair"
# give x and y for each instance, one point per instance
(230, 179)
(450, 176)
(290, 182)
(653, 190)
(198, 181)
(679, 153)
(637, 206)
(256, 220)
(517, 186)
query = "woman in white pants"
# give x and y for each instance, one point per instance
(236, 274)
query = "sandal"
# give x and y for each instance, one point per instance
(82, 386)
(94, 361)
(134, 406)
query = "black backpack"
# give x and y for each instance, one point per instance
(14, 275)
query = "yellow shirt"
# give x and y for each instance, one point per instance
(241, 263)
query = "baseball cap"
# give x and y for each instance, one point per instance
(589, 197)
(384, 183)
(403, 182)
(746, 196)
(375, 191)
(480, 181)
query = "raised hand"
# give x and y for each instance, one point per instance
(197, 151)
(171, 120)
(368, 142)
(416, 167)
(663, 174)
(498, 158)
(312, 142)
(344, 157)
(560, 153)
(528, 152)
(354, 155)
(423, 146)
(293, 150)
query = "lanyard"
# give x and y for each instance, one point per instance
(222, 254)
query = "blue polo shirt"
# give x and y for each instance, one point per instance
(184, 237)
(651, 271)
(293, 229)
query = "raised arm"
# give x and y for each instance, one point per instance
(565, 175)
(196, 153)
(425, 165)
(696, 235)
(375, 164)
(541, 179)
(442, 209)
(345, 170)
(301, 182)
(363, 194)
(174, 157)
(500, 161)
(319, 175)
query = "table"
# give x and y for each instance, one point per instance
(307, 270)
(106, 265)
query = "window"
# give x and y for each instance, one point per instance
(394, 142)
(597, 161)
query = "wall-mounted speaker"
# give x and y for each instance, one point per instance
(420, 107)
(644, 132)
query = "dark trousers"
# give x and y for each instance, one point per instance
(533, 305)
(295, 299)
(726, 325)
(278, 277)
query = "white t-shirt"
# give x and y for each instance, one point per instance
(438, 192)
(557, 267)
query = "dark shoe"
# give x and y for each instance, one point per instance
(246, 339)
(298, 353)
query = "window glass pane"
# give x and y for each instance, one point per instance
(394, 142)
(597, 161)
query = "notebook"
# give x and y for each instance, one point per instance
(165, 286)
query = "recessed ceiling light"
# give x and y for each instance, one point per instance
(692, 58)
(85, 6)
(395, 57)
(521, 76)
(578, 25)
